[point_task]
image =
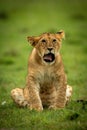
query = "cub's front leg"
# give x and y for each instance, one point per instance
(61, 92)
(34, 98)
(60, 85)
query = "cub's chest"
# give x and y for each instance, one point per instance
(47, 77)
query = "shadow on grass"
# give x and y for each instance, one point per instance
(4, 15)
(6, 61)
(8, 57)
(79, 16)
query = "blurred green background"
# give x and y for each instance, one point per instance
(22, 18)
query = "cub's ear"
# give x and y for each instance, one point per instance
(33, 40)
(61, 34)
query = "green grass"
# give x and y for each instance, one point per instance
(19, 19)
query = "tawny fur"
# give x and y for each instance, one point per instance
(46, 83)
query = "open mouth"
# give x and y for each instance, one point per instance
(49, 57)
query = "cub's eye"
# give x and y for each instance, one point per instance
(43, 41)
(54, 40)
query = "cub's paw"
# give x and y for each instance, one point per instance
(52, 107)
(37, 108)
(68, 93)
(18, 97)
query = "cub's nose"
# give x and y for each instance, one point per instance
(50, 48)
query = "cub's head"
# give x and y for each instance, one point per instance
(47, 45)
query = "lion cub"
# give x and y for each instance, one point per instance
(46, 83)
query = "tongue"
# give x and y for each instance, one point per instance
(48, 57)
